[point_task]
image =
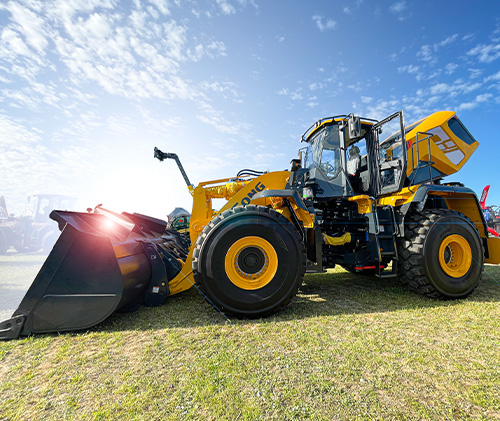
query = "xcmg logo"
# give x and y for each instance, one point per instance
(246, 200)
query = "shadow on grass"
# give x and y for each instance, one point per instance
(328, 294)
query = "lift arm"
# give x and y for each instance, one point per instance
(166, 155)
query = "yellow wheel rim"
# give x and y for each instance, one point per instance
(455, 256)
(251, 263)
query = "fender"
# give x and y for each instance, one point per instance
(289, 194)
(458, 198)
(295, 205)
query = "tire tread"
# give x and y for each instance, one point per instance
(411, 270)
(213, 225)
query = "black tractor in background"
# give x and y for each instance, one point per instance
(34, 230)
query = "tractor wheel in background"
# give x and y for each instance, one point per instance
(49, 239)
(4, 246)
(249, 261)
(441, 255)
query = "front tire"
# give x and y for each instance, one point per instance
(441, 255)
(249, 261)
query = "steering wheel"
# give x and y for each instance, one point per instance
(327, 168)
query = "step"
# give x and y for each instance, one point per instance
(385, 236)
(386, 275)
(388, 253)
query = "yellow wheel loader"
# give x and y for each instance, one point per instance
(364, 194)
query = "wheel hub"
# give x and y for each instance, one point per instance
(455, 256)
(251, 259)
(251, 263)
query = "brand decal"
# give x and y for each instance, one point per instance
(248, 198)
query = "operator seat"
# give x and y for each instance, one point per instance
(353, 167)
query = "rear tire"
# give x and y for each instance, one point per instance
(441, 255)
(249, 261)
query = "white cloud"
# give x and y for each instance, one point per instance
(397, 7)
(484, 97)
(355, 87)
(30, 25)
(215, 118)
(226, 7)
(475, 73)
(13, 43)
(127, 53)
(446, 41)
(61, 58)
(473, 104)
(411, 69)
(295, 95)
(494, 77)
(324, 25)
(485, 53)
(450, 68)
(453, 89)
(161, 5)
(315, 86)
(427, 52)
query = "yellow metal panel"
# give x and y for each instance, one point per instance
(304, 216)
(184, 280)
(449, 152)
(493, 250)
(406, 195)
(236, 193)
(364, 203)
(270, 181)
(466, 204)
(337, 241)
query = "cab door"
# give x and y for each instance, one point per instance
(390, 136)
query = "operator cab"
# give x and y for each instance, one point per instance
(347, 156)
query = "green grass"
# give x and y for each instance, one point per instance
(347, 347)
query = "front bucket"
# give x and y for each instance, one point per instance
(99, 265)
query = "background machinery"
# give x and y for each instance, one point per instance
(34, 230)
(491, 213)
(178, 220)
(368, 195)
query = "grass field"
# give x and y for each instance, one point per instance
(347, 347)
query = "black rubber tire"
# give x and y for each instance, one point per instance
(418, 250)
(213, 244)
(49, 240)
(4, 246)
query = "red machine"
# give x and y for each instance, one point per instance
(491, 213)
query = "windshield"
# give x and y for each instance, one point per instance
(324, 151)
(31, 206)
(313, 153)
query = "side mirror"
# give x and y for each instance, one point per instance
(354, 127)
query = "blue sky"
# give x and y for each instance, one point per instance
(88, 88)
